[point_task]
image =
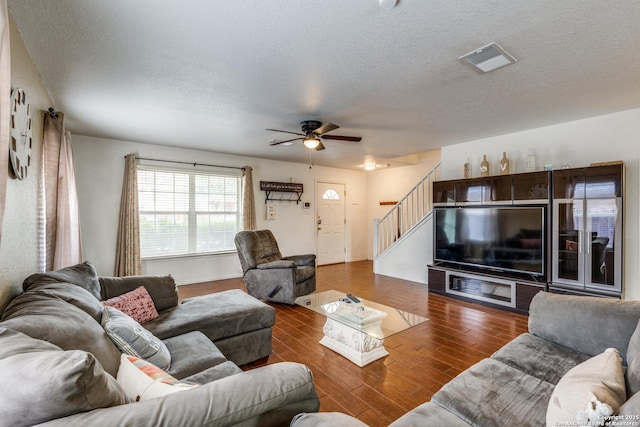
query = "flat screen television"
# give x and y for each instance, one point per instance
(500, 238)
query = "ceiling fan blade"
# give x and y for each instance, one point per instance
(342, 138)
(327, 127)
(286, 131)
(286, 140)
(320, 147)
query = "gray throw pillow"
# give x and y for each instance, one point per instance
(633, 363)
(629, 412)
(133, 339)
(83, 275)
(40, 382)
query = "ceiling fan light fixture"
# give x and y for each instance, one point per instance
(311, 141)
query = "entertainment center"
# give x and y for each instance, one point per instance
(501, 239)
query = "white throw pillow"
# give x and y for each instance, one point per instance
(142, 380)
(601, 376)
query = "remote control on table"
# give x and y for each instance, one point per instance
(352, 298)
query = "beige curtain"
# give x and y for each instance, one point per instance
(248, 201)
(128, 245)
(5, 95)
(63, 243)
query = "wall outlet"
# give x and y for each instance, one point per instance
(271, 212)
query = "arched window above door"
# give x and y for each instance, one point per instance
(330, 194)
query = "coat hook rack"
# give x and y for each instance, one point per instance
(52, 113)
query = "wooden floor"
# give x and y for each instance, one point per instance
(421, 359)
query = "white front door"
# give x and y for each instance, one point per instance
(330, 222)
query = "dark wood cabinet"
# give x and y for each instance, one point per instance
(471, 191)
(531, 187)
(498, 190)
(587, 229)
(444, 193)
(584, 239)
(485, 289)
(437, 279)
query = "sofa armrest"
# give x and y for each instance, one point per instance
(589, 325)
(307, 259)
(276, 264)
(273, 394)
(162, 289)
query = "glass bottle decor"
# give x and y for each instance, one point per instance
(530, 161)
(484, 166)
(467, 169)
(504, 164)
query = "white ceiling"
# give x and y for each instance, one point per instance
(213, 75)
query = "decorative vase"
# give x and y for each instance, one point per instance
(504, 164)
(530, 161)
(484, 166)
(467, 169)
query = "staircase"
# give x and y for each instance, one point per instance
(402, 239)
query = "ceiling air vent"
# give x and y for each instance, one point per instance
(488, 58)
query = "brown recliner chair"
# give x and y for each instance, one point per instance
(270, 276)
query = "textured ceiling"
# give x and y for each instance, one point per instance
(214, 75)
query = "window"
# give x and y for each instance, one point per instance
(187, 212)
(330, 195)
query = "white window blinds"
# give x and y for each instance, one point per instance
(187, 212)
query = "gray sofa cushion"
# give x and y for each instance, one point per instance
(162, 289)
(225, 369)
(326, 419)
(218, 315)
(40, 382)
(630, 411)
(571, 321)
(268, 396)
(633, 358)
(51, 319)
(539, 358)
(14, 343)
(491, 393)
(191, 353)
(68, 292)
(132, 339)
(83, 275)
(429, 414)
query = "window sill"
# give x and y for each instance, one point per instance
(204, 254)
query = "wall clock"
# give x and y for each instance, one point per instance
(21, 140)
(539, 191)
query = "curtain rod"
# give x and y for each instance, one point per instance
(188, 163)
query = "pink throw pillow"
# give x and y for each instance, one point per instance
(137, 304)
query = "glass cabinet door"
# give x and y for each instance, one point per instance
(568, 227)
(603, 226)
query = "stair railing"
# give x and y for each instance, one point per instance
(406, 214)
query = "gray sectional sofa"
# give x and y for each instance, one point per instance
(58, 366)
(529, 380)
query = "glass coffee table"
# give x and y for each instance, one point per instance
(357, 330)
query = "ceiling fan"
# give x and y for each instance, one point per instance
(312, 132)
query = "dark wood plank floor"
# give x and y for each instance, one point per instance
(421, 359)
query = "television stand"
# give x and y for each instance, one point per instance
(506, 293)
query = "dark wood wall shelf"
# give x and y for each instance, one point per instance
(270, 187)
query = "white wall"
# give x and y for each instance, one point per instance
(409, 259)
(392, 184)
(100, 168)
(579, 143)
(19, 239)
